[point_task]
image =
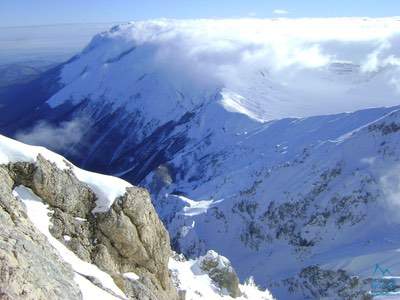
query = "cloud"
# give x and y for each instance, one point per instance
(385, 57)
(245, 40)
(390, 185)
(280, 11)
(57, 138)
(283, 67)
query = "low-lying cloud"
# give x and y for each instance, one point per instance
(58, 138)
(284, 67)
(390, 185)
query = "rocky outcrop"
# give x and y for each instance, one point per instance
(212, 277)
(221, 272)
(29, 267)
(129, 237)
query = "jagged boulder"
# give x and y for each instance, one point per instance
(220, 270)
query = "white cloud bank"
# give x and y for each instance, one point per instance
(60, 138)
(279, 11)
(282, 67)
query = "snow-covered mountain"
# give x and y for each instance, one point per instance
(273, 142)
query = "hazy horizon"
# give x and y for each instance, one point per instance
(44, 12)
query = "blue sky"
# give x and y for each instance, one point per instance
(38, 12)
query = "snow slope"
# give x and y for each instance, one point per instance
(324, 191)
(198, 285)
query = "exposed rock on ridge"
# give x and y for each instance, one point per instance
(29, 267)
(127, 238)
(221, 272)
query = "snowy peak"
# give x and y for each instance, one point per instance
(168, 67)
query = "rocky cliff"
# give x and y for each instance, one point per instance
(128, 238)
(29, 267)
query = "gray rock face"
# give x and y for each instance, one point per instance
(221, 272)
(29, 267)
(127, 238)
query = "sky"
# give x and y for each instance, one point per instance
(44, 12)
